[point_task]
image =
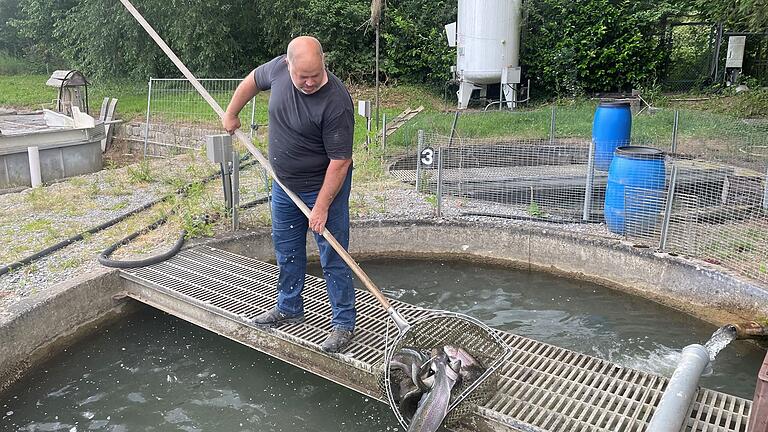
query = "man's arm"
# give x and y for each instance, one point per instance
(244, 93)
(334, 178)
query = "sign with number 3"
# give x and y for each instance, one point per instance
(427, 156)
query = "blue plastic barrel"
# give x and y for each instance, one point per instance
(611, 128)
(635, 191)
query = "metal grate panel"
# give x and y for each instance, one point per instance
(541, 387)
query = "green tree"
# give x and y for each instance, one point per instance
(9, 38)
(347, 40)
(36, 22)
(738, 15)
(415, 47)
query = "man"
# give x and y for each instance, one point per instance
(311, 123)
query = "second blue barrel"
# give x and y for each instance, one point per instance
(611, 128)
(635, 191)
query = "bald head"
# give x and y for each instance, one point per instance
(306, 64)
(304, 48)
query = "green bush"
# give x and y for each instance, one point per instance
(415, 47)
(572, 48)
(11, 65)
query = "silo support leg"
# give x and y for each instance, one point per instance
(465, 92)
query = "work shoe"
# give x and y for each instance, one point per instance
(337, 340)
(274, 318)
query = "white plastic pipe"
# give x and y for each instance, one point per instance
(34, 166)
(672, 410)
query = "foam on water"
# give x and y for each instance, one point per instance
(719, 340)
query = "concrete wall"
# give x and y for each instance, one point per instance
(62, 154)
(46, 323)
(697, 288)
(162, 137)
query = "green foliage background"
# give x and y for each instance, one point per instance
(570, 47)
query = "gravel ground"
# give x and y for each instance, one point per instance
(377, 200)
(34, 219)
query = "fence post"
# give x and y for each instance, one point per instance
(235, 190)
(383, 131)
(668, 210)
(419, 147)
(675, 126)
(552, 127)
(440, 153)
(586, 215)
(146, 125)
(765, 192)
(253, 117)
(715, 67)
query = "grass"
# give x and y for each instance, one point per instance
(36, 226)
(748, 104)
(573, 117)
(67, 264)
(739, 245)
(37, 218)
(140, 173)
(30, 92)
(574, 120)
(118, 206)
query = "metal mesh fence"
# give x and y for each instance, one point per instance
(705, 196)
(178, 119)
(545, 180)
(690, 54)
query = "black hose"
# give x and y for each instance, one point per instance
(66, 242)
(104, 256)
(254, 203)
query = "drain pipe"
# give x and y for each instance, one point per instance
(750, 330)
(34, 166)
(671, 412)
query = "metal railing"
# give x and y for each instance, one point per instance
(178, 119)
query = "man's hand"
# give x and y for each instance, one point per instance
(334, 178)
(230, 122)
(317, 219)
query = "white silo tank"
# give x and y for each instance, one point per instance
(488, 46)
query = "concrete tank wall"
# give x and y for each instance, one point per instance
(64, 153)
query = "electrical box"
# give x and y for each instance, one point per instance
(364, 108)
(735, 56)
(219, 148)
(511, 75)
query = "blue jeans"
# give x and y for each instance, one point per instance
(289, 235)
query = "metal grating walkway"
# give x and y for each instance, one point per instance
(542, 388)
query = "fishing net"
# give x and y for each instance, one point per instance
(441, 329)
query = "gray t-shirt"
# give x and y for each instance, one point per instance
(305, 131)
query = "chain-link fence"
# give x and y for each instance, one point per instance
(700, 188)
(178, 119)
(691, 56)
(696, 54)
